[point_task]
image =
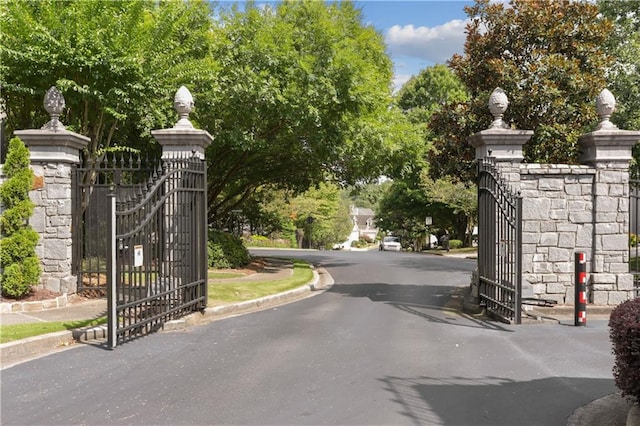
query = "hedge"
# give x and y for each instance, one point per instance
(226, 251)
(624, 324)
(18, 260)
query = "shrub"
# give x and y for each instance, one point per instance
(261, 241)
(18, 260)
(633, 240)
(624, 324)
(455, 244)
(226, 250)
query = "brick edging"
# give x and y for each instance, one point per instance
(40, 305)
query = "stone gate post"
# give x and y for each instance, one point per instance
(54, 151)
(180, 143)
(608, 150)
(183, 140)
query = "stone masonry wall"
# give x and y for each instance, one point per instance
(611, 282)
(52, 219)
(566, 209)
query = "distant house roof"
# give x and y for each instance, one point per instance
(363, 218)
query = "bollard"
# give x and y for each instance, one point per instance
(581, 289)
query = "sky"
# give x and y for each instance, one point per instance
(418, 33)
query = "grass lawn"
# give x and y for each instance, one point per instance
(9, 333)
(222, 293)
(219, 294)
(214, 275)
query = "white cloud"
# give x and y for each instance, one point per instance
(435, 45)
(400, 79)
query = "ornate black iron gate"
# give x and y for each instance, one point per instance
(499, 245)
(93, 181)
(142, 241)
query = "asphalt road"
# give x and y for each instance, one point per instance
(378, 348)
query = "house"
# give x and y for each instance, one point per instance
(363, 226)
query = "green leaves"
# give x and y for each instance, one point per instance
(549, 57)
(113, 61)
(19, 263)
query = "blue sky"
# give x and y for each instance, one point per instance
(418, 33)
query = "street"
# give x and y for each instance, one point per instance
(379, 347)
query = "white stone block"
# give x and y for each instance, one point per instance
(549, 239)
(617, 297)
(600, 298)
(567, 240)
(600, 278)
(625, 282)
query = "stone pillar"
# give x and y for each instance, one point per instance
(54, 151)
(181, 142)
(499, 140)
(608, 150)
(504, 145)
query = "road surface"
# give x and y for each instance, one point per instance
(378, 348)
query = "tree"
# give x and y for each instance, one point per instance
(451, 204)
(366, 195)
(330, 221)
(301, 95)
(624, 43)
(402, 211)
(427, 92)
(117, 63)
(19, 263)
(459, 199)
(548, 56)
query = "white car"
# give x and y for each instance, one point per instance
(390, 244)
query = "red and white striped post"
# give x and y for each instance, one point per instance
(581, 289)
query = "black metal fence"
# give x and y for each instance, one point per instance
(140, 238)
(634, 227)
(93, 181)
(158, 251)
(499, 245)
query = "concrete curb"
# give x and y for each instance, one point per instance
(321, 281)
(21, 350)
(41, 305)
(18, 351)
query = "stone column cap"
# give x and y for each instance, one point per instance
(502, 144)
(53, 145)
(182, 141)
(608, 146)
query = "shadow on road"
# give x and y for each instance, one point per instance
(493, 400)
(435, 304)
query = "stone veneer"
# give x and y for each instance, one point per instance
(569, 209)
(52, 219)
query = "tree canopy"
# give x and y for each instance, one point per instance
(301, 96)
(624, 43)
(548, 56)
(294, 93)
(117, 63)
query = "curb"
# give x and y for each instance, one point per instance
(59, 302)
(321, 281)
(32, 347)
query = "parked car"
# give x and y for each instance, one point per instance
(390, 244)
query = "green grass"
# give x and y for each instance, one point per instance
(9, 333)
(219, 293)
(214, 275)
(222, 293)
